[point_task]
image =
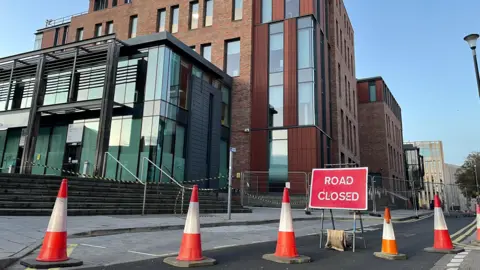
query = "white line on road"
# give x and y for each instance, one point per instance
(87, 245)
(141, 253)
(225, 246)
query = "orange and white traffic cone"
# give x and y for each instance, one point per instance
(477, 240)
(53, 252)
(389, 243)
(442, 243)
(286, 250)
(190, 254)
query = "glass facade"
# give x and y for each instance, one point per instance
(306, 71)
(233, 58)
(194, 15)
(372, 90)
(208, 20)
(275, 90)
(266, 11)
(162, 16)
(278, 158)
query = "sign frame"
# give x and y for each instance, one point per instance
(339, 208)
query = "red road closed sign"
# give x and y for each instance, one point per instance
(343, 188)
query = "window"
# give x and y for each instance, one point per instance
(232, 65)
(133, 26)
(354, 140)
(292, 8)
(98, 30)
(278, 156)
(336, 24)
(275, 91)
(208, 19)
(161, 17)
(349, 98)
(225, 106)
(38, 41)
(65, 34)
(340, 42)
(343, 126)
(114, 3)
(206, 51)
(100, 4)
(128, 1)
(306, 81)
(266, 11)
(194, 15)
(109, 29)
(372, 90)
(174, 14)
(339, 81)
(55, 39)
(237, 10)
(79, 35)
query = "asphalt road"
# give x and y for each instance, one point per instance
(411, 239)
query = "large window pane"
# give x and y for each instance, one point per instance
(278, 165)
(208, 12)
(174, 15)
(225, 106)
(266, 11)
(292, 8)
(306, 54)
(179, 163)
(194, 15)
(306, 110)
(162, 15)
(168, 146)
(237, 10)
(172, 91)
(275, 100)
(185, 73)
(233, 58)
(276, 53)
(372, 89)
(133, 26)
(206, 51)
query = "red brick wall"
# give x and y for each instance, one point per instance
(48, 38)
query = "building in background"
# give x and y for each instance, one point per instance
(414, 171)
(278, 55)
(456, 200)
(432, 152)
(380, 132)
(343, 86)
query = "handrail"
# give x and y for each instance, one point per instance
(161, 170)
(123, 166)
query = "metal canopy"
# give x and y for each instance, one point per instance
(78, 107)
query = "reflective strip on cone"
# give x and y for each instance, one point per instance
(478, 221)
(192, 223)
(58, 220)
(388, 233)
(389, 244)
(439, 223)
(286, 224)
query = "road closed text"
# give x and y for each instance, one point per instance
(343, 188)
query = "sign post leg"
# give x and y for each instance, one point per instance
(363, 234)
(331, 217)
(354, 229)
(321, 231)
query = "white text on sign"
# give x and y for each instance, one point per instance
(338, 196)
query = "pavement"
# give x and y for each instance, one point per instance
(241, 247)
(24, 234)
(21, 235)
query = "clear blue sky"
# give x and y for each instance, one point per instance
(416, 46)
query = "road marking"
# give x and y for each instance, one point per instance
(452, 269)
(463, 229)
(457, 260)
(142, 253)
(466, 234)
(87, 245)
(70, 249)
(225, 246)
(453, 264)
(460, 256)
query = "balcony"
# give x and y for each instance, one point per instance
(54, 22)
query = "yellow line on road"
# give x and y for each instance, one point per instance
(466, 234)
(463, 229)
(70, 249)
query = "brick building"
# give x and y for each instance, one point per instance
(345, 146)
(380, 132)
(281, 105)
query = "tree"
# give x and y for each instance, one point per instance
(466, 175)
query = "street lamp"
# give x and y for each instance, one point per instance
(472, 42)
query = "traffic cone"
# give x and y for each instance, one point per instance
(389, 244)
(286, 250)
(190, 254)
(442, 243)
(53, 252)
(477, 240)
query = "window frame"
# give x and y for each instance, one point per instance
(225, 57)
(294, 15)
(174, 10)
(202, 48)
(133, 18)
(160, 12)
(234, 2)
(79, 34)
(205, 9)
(192, 4)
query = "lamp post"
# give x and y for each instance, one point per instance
(472, 42)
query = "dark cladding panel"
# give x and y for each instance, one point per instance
(307, 7)
(278, 12)
(290, 94)
(215, 134)
(302, 156)
(260, 77)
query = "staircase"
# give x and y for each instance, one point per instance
(34, 195)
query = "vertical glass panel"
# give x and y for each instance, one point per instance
(225, 106)
(276, 53)
(208, 12)
(10, 153)
(174, 14)
(207, 52)
(119, 93)
(57, 148)
(223, 164)
(89, 144)
(194, 15)
(266, 11)
(238, 10)
(133, 26)
(98, 30)
(306, 54)
(38, 41)
(306, 99)
(179, 164)
(372, 89)
(41, 149)
(184, 84)
(172, 96)
(114, 148)
(151, 74)
(162, 15)
(129, 147)
(168, 146)
(278, 165)
(110, 29)
(162, 72)
(292, 8)
(275, 98)
(3, 139)
(233, 58)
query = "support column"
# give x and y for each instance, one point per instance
(34, 118)
(106, 111)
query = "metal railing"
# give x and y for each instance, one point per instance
(126, 169)
(66, 19)
(182, 187)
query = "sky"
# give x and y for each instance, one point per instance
(416, 46)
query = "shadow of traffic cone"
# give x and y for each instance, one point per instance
(53, 252)
(442, 243)
(389, 243)
(286, 251)
(190, 254)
